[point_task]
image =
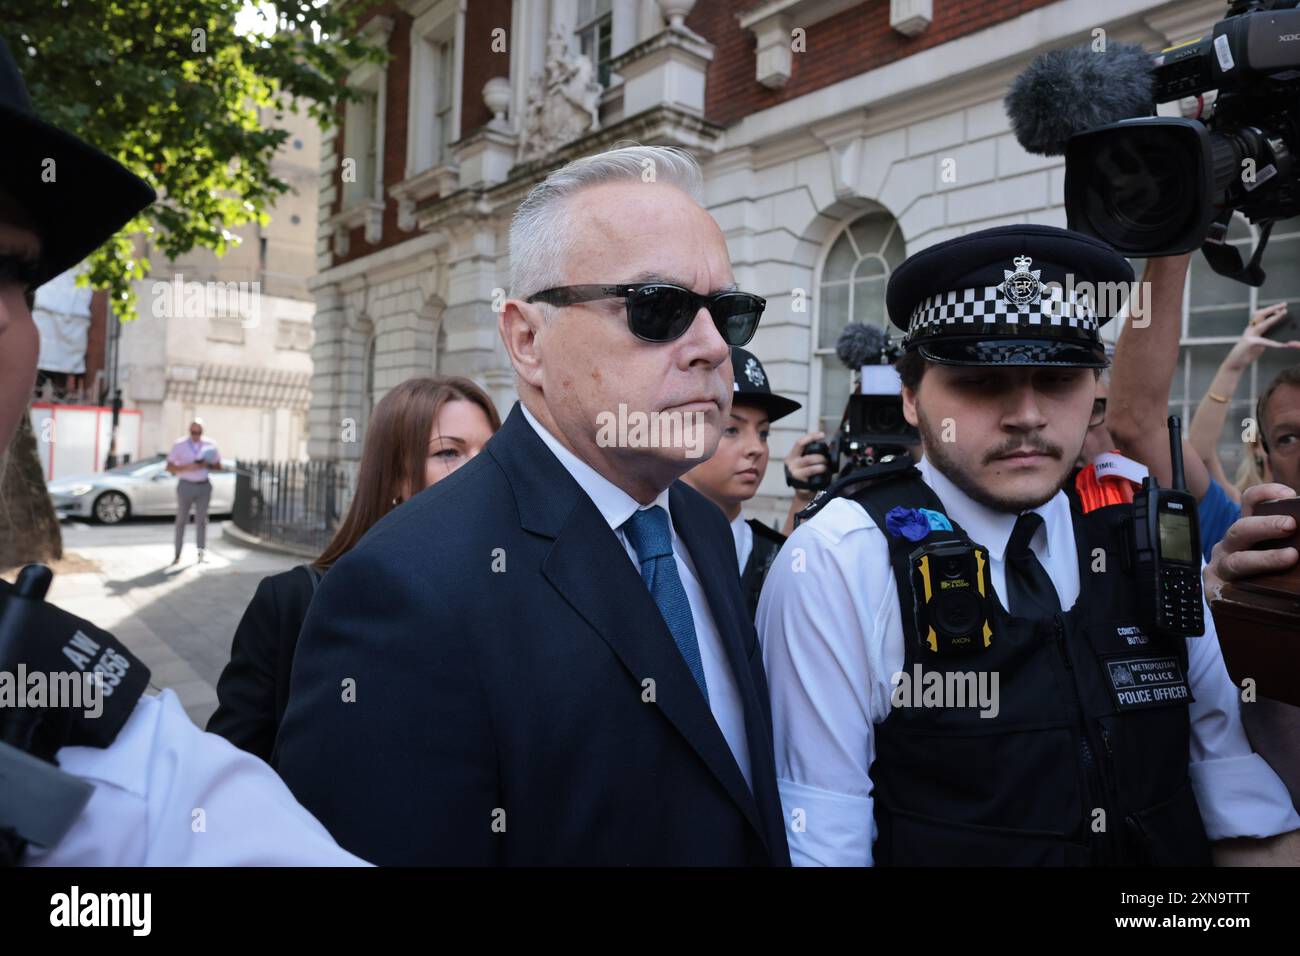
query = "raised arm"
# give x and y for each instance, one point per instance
(1207, 424)
(1146, 358)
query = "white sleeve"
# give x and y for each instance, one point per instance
(1238, 793)
(168, 794)
(826, 602)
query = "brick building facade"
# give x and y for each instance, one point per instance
(836, 138)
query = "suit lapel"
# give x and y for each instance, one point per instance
(713, 559)
(716, 575)
(590, 569)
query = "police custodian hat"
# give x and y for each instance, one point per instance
(1010, 295)
(751, 386)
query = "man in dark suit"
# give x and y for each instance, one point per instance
(546, 658)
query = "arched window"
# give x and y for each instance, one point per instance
(851, 288)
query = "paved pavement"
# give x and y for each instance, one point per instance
(178, 620)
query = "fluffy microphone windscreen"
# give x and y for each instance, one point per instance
(860, 345)
(1063, 92)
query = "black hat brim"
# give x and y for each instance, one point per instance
(1005, 352)
(91, 198)
(776, 406)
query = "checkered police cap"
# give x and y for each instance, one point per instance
(1012, 295)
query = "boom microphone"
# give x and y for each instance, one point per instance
(860, 345)
(1064, 92)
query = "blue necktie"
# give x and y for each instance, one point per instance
(650, 535)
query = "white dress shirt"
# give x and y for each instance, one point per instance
(186, 451)
(744, 536)
(832, 636)
(616, 506)
(168, 794)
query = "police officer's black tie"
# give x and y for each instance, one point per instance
(1029, 589)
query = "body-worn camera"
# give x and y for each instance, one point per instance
(952, 597)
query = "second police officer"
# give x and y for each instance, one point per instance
(733, 474)
(1030, 744)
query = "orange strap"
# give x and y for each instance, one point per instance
(1097, 493)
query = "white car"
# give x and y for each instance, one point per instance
(139, 488)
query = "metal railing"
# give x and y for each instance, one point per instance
(297, 505)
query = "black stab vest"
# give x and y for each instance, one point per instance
(1086, 760)
(766, 545)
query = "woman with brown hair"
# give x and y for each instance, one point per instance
(422, 431)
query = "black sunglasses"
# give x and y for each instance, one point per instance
(659, 312)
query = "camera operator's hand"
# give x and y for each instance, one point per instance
(1232, 558)
(803, 466)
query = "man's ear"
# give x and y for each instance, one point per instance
(520, 325)
(909, 407)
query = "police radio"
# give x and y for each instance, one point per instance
(1166, 550)
(952, 597)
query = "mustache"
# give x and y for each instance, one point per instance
(1027, 443)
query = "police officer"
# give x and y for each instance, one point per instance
(733, 475)
(132, 782)
(1065, 732)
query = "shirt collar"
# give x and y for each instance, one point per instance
(614, 504)
(990, 527)
(740, 529)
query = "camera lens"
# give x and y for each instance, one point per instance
(1140, 188)
(951, 567)
(1141, 185)
(886, 419)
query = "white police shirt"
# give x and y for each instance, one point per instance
(168, 794)
(832, 636)
(744, 536)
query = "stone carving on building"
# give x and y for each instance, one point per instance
(563, 100)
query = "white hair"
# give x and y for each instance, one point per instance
(540, 233)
